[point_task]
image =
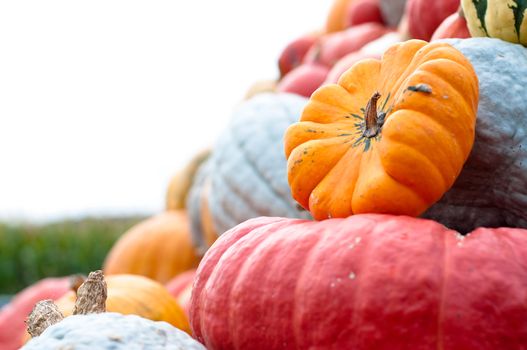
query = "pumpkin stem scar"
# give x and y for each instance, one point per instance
(372, 126)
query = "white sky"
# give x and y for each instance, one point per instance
(102, 101)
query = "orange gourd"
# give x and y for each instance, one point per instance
(159, 248)
(390, 137)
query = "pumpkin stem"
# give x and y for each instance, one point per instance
(372, 126)
(91, 295)
(76, 281)
(460, 12)
(44, 314)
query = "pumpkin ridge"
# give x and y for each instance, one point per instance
(258, 175)
(446, 159)
(251, 251)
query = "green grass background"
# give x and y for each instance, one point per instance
(29, 253)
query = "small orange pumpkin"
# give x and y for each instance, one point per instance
(159, 248)
(390, 137)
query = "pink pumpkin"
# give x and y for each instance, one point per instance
(332, 47)
(344, 64)
(14, 314)
(454, 26)
(424, 16)
(304, 79)
(180, 287)
(295, 51)
(365, 282)
(363, 11)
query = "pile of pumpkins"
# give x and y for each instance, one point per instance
(373, 197)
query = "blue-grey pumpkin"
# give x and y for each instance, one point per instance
(492, 188)
(247, 170)
(113, 331)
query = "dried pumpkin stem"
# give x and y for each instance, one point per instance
(44, 314)
(91, 295)
(460, 11)
(372, 127)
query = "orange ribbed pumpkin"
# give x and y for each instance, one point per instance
(390, 137)
(159, 248)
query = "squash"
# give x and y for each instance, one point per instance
(363, 11)
(424, 16)
(454, 26)
(492, 188)
(336, 18)
(91, 327)
(180, 287)
(247, 168)
(344, 64)
(369, 281)
(332, 47)
(293, 54)
(390, 137)
(259, 87)
(135, 295)
(159, 248)
(392, 11)
(13, 315)
(112, 331)
(180, 183)
(502, 19)
(304, 79)
(202, 228)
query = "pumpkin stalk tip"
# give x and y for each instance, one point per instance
(44, 314)
(372, 127)
(91, 295)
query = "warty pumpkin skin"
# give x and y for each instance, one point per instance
(112, 331)
(365, 282)
(136, 295)
(159, 247)
(13, 315)
(502, 19)
(390, 137)
(491, 190)
(247, 169)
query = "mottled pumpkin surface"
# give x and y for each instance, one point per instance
(367, 282)
(247, 169)
(491, 190)
(112, 331)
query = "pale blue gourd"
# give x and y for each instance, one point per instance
(247, 169)
(492, 188)
(113, 331)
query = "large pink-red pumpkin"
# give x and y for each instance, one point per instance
(454, 26)
(365, 282)
(424, 16)
(332, 47)
(13, 315)
(344, 64)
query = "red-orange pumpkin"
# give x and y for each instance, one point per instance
(366, 282)
(454, 26)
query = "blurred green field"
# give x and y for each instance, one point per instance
(31, 252)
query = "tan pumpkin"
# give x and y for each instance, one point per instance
(159, 248)
(181, 182)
